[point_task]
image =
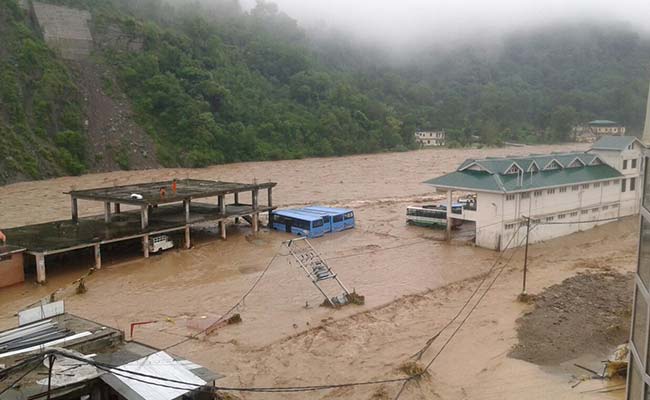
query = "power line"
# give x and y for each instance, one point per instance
(20, 378)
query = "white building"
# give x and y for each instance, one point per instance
(431, 138)
(561, 192)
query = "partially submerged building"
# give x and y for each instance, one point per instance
(431, 138)
(594, 130)
(143, 212)
(119, 368)
(569, 192)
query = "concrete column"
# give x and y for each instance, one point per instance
(75, 209)
(186, 207)
(221, 204)
(188, 243)
(98, 256)
(222, 228)
(117, 208)
(256, 227)
(270, 204)
(236, 198)
(144, 217)
(145, 246)
(448, 236)
(40, 268)
(255, 195)
(107, 212)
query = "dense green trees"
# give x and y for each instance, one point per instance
(215, 84)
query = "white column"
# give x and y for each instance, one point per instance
(98, 256)
(188, 243)
(449, 193)
(107, 211)
(40, 268)
(145, 246)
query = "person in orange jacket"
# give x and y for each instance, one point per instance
(3, 238)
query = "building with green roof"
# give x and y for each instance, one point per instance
(576, 189)
(594, 130)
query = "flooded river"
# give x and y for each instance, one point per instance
(285, 337)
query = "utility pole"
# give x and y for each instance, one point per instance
(523, 290)
(51, 358)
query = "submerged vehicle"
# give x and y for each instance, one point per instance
(433, 215)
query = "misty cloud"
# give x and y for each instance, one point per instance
(404, 22)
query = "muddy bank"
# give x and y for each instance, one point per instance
(588, 313)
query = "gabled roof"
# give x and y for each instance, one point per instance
(493, 177)
(618, 143)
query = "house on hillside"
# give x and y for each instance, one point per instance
(561, 192)
(431, 138)
(593, 130)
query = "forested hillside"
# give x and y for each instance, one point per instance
(214, 84)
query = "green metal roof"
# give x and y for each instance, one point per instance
(619, 143)
(492, 176)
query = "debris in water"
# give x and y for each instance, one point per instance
(526, 298)
(235, 319)
(380, 394)
(355, 298)
(81, 287)
(413, 370)
(616, 364)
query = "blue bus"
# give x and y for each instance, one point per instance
(339, 215)
(328, 220)
(298, 223)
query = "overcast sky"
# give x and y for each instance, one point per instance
(401, 21)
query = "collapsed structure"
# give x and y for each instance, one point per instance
(569, 192)
(116, 368)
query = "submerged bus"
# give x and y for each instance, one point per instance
(433, 215)
(328, 220)
(342, 218)
(301, 224)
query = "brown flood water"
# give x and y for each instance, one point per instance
(285, 338)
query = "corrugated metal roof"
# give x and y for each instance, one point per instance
(619, 143)
(158, 364)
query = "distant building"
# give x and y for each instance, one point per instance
(431, 138)
(593, 130)
(570, 192)
(116, 370)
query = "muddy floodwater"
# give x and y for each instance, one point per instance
(412, 281)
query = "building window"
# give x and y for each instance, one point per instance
(563, 190)
(633, 166)
(510, 197)
(561, 216)
(624, 164)
(606, 183)
(537, 193)
(605, 208)
(575, 187)
(549, 219)
(623, 185)
(583, 212)
(596, 185)
(574, 214)
(585, 186)
(550, 191)
(594, 210)
(525, 195)
(632, 184)
(510, 226)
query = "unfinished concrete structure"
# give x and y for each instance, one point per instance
(155, 208)
(65, 29)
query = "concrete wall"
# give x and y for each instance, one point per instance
(11, 269)
(65, 30)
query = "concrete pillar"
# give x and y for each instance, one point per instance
(236, 198)
(40, 268)
(270, 204)
(144, 217)
(221, 204)
(448, 236)
(75, 209)
(107, 212)
(98, 256)
(222, 228)
(145, 246)
(255, 195)
(188, 243)
(186, 207)
(117, 208)
(256, 227)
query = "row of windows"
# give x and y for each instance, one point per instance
(572, 214)
(575, 188)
